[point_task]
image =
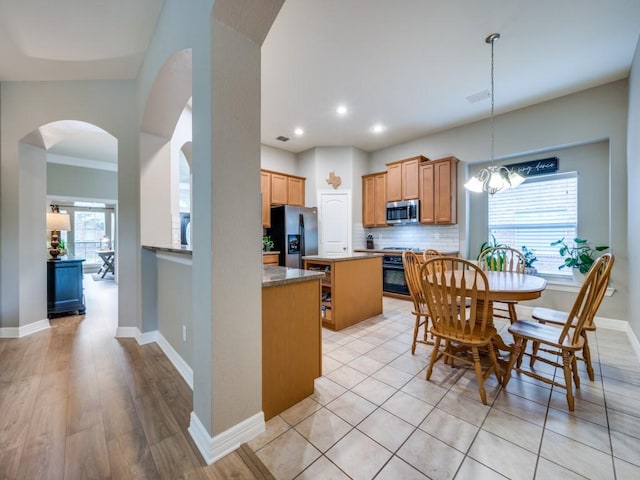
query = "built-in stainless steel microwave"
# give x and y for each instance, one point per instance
(404, 212)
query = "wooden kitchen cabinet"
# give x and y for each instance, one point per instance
(439, 191)
(351, 289)
(402, 179)
(283, 189)
(374, 200)
(270, 258)
(295, 191)
(265, 189)
(291, 344)
(279, 188)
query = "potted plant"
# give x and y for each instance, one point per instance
(579, 256)
(529, 259)
(267, 244)
(497, 257)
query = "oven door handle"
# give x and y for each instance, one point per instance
(393, 267)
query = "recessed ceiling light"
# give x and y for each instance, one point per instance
(377, 128)
(341, 110)
(298, 131)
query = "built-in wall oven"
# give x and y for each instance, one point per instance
(393, 280)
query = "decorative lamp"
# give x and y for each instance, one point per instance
(56, 222)
(493, 178)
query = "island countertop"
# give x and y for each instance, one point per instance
(342, 258)
(273, 275)
(181, 249)
(399, 252)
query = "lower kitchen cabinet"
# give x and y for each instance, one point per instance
(65, 292)
(291, 344)
(270, 258)
(351, 289)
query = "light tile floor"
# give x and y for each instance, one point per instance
(373, 415)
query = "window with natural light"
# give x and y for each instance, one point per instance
(540, 211)
(89, 231)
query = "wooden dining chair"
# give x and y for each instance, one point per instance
(565, 340)
(412, 263)
(430, 253)
(558, 317)
(457, 329)
(503, 259)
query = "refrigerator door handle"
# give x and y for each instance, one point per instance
(302, 245)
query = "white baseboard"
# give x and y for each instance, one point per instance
(127, 332)
(31, 328)
(214, 448)
(155, 336)
(183, 368)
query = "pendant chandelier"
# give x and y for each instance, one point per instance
(493, 178)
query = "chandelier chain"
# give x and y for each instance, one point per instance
(492, 104)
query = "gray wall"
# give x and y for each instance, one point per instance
(278, 160)
(174, 306)
(595, 115)
(592, 164)
(25, 107)
(69, 181)
(633, 164)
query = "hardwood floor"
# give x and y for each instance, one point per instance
(77, 403)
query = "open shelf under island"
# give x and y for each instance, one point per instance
(351, 289)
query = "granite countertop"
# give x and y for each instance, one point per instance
(399, 252)
(273, 275)
(182, 249)
(357, 255)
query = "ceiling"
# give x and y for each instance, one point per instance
(406, 64)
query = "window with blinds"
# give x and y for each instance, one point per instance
(535, 214)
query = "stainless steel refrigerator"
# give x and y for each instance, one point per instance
(294, 231)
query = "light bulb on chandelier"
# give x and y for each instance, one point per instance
(493, 178)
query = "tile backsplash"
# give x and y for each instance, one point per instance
(440, 237)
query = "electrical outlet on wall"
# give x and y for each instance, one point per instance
(184, 333)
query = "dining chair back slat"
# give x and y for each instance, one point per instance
(412, 263)
(457, 296)
(503, 259)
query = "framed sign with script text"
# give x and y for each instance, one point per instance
(535, 167)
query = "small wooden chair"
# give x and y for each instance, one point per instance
(453, 331)
(503, 259)
(412, 264)
(558, 317)
(565, 340)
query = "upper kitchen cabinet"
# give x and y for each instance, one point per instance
(295, 190)
(374, 200)
(265, 189)
(439, 191)
(279, 195)
(402, 179)
(287, 189)
(279, 189)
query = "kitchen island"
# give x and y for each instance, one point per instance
(291, 336)
(352, 289)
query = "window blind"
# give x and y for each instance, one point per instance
(535, 214)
